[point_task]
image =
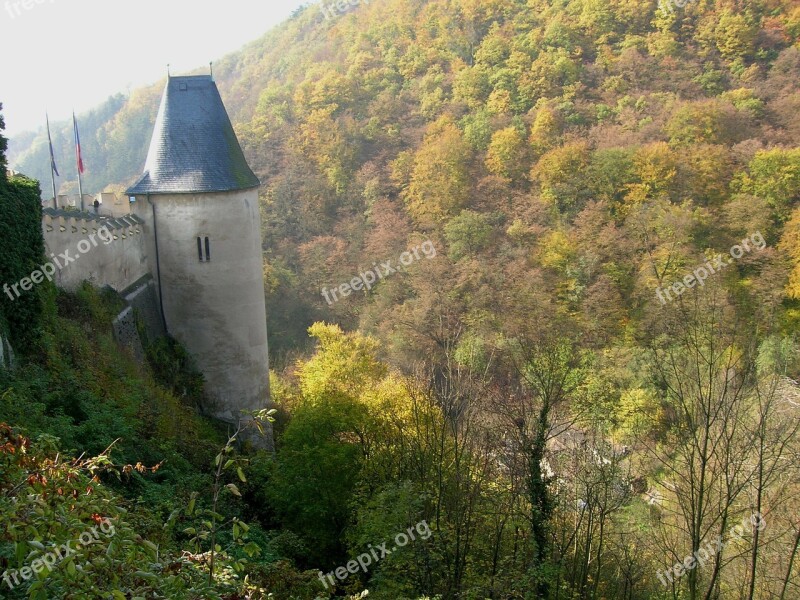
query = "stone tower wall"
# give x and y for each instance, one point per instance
(215, 307)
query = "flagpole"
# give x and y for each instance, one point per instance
(52, 164)
(78, 159)
(80, 189)
(53, 179)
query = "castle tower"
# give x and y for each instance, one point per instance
(199, 200)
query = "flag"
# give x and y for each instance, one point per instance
(78, 155)
(50, 142)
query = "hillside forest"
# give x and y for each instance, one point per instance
(583, 385)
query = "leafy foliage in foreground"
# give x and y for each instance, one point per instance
(50, 506)
(85, 397)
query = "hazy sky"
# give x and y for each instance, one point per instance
(60, 54)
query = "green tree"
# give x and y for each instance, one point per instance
(775, 176)
(706, 121)
(477, 129)
(439, 184)
(610, 173)
(790, 244)
(467, 234)
(560, 174)
(316, 473)
(472, 85)
(546, 130)
(735, 36)
(507, 154)
(656, 168)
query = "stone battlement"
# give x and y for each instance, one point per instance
(118, 259)
(78, 222)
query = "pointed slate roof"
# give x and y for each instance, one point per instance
(194, 148)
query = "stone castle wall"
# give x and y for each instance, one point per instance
(88, 247)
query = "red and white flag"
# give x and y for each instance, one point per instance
(78, 155)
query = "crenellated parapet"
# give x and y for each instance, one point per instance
(86, 246)
(86, 222)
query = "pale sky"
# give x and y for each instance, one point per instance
(60, 54)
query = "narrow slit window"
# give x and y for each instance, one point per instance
(199, 250)
(208, 250)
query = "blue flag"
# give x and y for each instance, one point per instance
(52, 156)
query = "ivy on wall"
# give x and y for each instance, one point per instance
(21, 252)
